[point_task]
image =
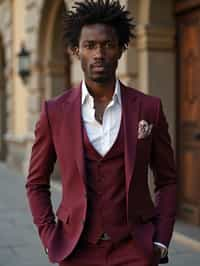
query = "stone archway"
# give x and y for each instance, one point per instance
(54, 59)
(49, 73)
(3, 113)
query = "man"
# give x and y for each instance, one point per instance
(104, 136)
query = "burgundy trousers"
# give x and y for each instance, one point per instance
(105, 253)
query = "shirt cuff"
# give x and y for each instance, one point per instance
(164, 249)
(160, 244)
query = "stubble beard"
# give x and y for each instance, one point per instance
(100, 79)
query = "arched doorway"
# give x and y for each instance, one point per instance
(3, 113)
(60, 58)
(54, 58)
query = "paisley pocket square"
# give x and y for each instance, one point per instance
(144, 129)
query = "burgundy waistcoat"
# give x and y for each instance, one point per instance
(106, 191)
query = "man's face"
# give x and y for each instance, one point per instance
(99, 52)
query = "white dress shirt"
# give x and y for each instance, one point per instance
(102, 136)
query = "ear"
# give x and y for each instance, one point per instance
(75, 52)
(120, 52)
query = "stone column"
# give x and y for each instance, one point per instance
(156, 71)
(6, 33)
(156, 63)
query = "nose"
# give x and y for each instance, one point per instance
(99, 52)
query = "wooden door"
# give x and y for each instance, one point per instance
(188, 138)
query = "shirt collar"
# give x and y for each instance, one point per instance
(87, 97)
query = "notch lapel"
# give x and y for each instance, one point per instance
(73, 128)
(131, 108)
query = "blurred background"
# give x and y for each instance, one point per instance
(164, 60)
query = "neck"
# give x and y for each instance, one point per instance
(101, 91)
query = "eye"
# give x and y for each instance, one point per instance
(89, 45)
(109, 44)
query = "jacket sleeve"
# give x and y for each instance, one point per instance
(163, 168)
(42, 161)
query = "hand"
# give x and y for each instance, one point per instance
(156, 254)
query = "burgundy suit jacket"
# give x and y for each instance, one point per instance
(58, 137)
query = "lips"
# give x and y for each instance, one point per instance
(98, 67)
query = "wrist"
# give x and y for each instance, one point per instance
(163, 249)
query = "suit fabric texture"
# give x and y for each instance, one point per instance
(58, 136)
(105, 191)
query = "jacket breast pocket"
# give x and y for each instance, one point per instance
(147, 140)
(144, 147)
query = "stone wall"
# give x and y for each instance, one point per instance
(6, 36)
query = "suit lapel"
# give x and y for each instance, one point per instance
(73, 128)
(130, 108)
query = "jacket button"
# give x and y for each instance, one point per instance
(83, 222)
